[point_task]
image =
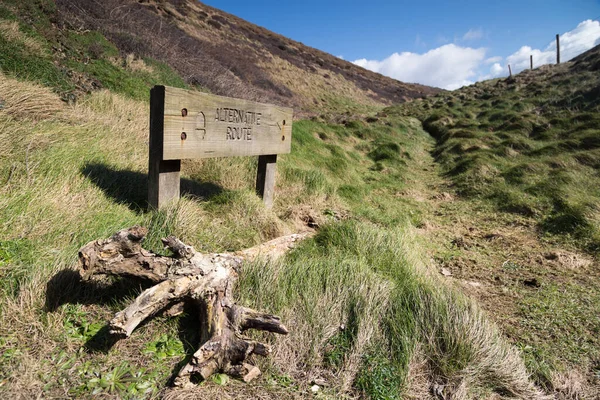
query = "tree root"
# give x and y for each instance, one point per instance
(205, 280)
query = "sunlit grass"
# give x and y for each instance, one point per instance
(533, 151)
(77, 174)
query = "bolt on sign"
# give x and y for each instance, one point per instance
(185, 124)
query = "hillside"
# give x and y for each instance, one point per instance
(530, 144)
(455, 248)
(523, 237)
(121, 44)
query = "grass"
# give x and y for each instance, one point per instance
(528, 145)
(522, 155)
(84, 62)
(20, 61)
(357, 291)
(366, 309)
(385, 307)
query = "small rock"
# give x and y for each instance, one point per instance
(446, 272)
(311, 223)
(319, 382)
(314, 388)
(253, 372)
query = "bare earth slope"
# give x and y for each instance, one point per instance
(232, 57)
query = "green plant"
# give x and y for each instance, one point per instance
(164, 346)
(77, 325)
(379, 377)
(121, 380)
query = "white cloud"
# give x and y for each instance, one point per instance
(493, 60)
(496, 70)
(473, 34)
(585, 36)
(340, 57)
(449, 66)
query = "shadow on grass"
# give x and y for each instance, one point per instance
(188, 329)
(131, 187)
(102, 341)
(67, 287)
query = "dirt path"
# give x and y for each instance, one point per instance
(545, 297)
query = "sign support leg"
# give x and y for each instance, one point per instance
(163, 175)
(265, 178)
(163, 182)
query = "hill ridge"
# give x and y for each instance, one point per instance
(257, 64)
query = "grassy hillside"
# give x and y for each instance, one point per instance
(462, 265)
(79, 47)
(529, 144)
(523, 154)
(76, 173)
(71, 62)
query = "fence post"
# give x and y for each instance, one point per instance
(509, 71)
(265, 178)
(557, 49)
(531, 62)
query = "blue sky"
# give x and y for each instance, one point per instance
(440, 43)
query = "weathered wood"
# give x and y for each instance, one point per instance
(190, 124)
(201, 125)
(265, 178)
(204, 280)
(163, 175)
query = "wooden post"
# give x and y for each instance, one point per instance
(557, 49)
(509, 71)
(265, 178)
(531, 62)
(163, 175)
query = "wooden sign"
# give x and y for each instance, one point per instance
(186, 124)
(200, 125)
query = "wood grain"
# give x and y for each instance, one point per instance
(163, 175)
(203, 281)
(201, 125)
(265, 178)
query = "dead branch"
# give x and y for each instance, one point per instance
(205, 280)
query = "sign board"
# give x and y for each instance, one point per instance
(201, 125)
(185, 124)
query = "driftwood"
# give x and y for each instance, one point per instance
(206, 280)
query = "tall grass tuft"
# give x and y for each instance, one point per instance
(358, 297)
